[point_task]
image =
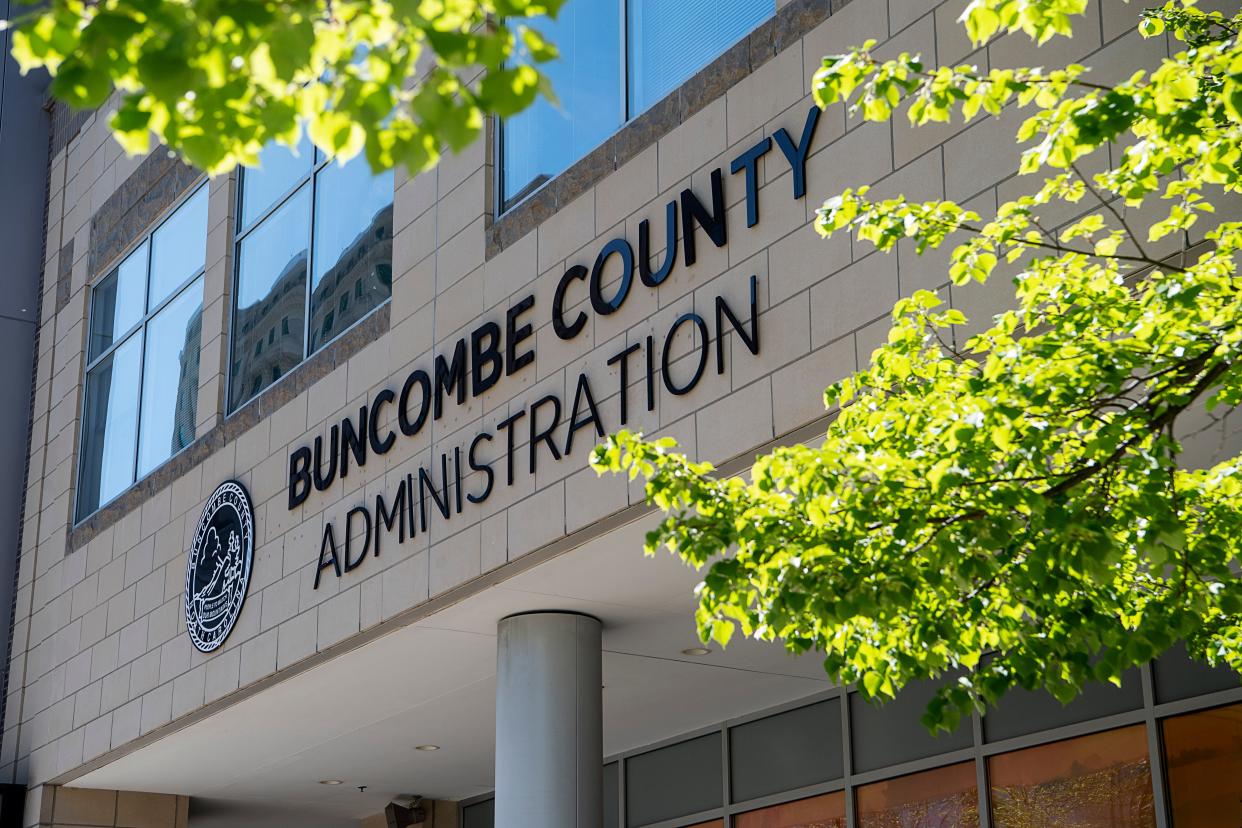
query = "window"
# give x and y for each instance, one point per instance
(790, 750)
(1097, 781)
(309, 231)
(827, 811)
(931, 799)
(674, 781)
(1203, 754)
(141, 400)
(617, 59)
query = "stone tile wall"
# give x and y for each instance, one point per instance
(52, 806)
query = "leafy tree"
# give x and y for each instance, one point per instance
(216, 80)
(1008, 509)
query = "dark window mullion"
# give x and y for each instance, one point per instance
(310, 261)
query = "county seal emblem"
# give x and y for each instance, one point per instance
(218, 571)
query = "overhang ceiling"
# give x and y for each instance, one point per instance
(358, 717)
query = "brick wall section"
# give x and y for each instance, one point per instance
(102, 662)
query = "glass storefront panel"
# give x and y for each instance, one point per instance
(674, 781)
(1097, 781)
(789, 750)
(936, 798)
(826, 811)
(1203, 755)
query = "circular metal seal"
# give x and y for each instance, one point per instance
(218, 572)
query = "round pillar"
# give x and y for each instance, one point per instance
(549, 726)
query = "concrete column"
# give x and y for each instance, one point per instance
(549, 730)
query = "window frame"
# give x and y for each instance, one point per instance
(627, 115)
(119, 339)
(319, 161)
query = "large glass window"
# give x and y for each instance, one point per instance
(1097, 781)
(617, 58)
(931, 799)
(141, 400)
(1203, 754)
(827, 811)
(314, 256)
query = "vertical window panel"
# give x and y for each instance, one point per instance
(827, 811)
(669, 42)
(544, 139)
(479, 815)
(279, 170)
(1203, 756)
(170, 379)
(1178, 676)
(674, 781)
(353, 247)
(271, 287)
(1020, 711)
(117, 302)
(1097, 781)
(931, 799)
(893, 733)
(110, 426)
(178, 248)
(789, 750)
(612, 795)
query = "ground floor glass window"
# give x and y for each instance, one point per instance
(1097, 781)
(936, 798)
(827, 811)
(1203, 752)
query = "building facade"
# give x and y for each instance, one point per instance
(309, 536)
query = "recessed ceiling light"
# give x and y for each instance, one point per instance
(427, 747)
(696, 651)
(331, 782)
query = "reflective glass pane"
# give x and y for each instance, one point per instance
(586, 77)
(117, 302)
(1178, 676)
(271, 300)
(827, 811)
(178, 248)
(279, 170)
(1203, 753)
(1097, 781)
(893, 733)
(669, 42)
(1024, 711)
(479, 815)
(110, 426)
(353, 247)
(170, 379)
(931, 799)
(612, 795)
(673, 781)
(789, 750)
